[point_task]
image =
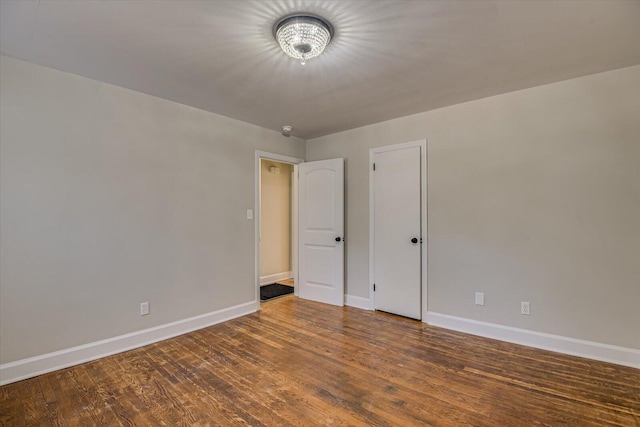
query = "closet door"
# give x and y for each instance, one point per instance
(397, 234)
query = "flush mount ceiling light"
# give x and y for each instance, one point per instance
(303, 36)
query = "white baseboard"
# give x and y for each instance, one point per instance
(575, 347)
(272, 278)
(33, 366)
(358, 302)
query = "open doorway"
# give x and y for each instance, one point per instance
(276, 271)
(276, 225)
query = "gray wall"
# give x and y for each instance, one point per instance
(532, 196)
(110, 197)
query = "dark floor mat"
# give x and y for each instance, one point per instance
(275, 290)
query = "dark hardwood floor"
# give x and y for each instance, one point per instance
(299, 363)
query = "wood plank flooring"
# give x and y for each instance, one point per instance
(299, 363)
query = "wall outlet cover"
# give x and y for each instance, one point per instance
(144, 308)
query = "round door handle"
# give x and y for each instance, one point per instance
(338, 239)
(414, 240)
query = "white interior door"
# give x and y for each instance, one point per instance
(397, 231)
(321, 231)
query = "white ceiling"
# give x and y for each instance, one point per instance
(388, 58)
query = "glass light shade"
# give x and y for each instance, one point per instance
(303, 37)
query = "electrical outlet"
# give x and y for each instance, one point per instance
(144, 308)
(249, 213)
(525, 308)
(479, 298)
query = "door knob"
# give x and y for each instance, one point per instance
(338, 239)
(414, 240)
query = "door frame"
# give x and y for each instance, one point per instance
(422, 143)
(260, 155)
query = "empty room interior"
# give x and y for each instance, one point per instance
(440, 198)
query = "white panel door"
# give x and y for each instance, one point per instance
(397, 231)
(321, 231)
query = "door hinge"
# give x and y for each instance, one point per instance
(374, 166)
(374, 287)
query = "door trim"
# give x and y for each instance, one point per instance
(423, 217)
(256, 218)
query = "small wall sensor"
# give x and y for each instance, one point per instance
(286, 130)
